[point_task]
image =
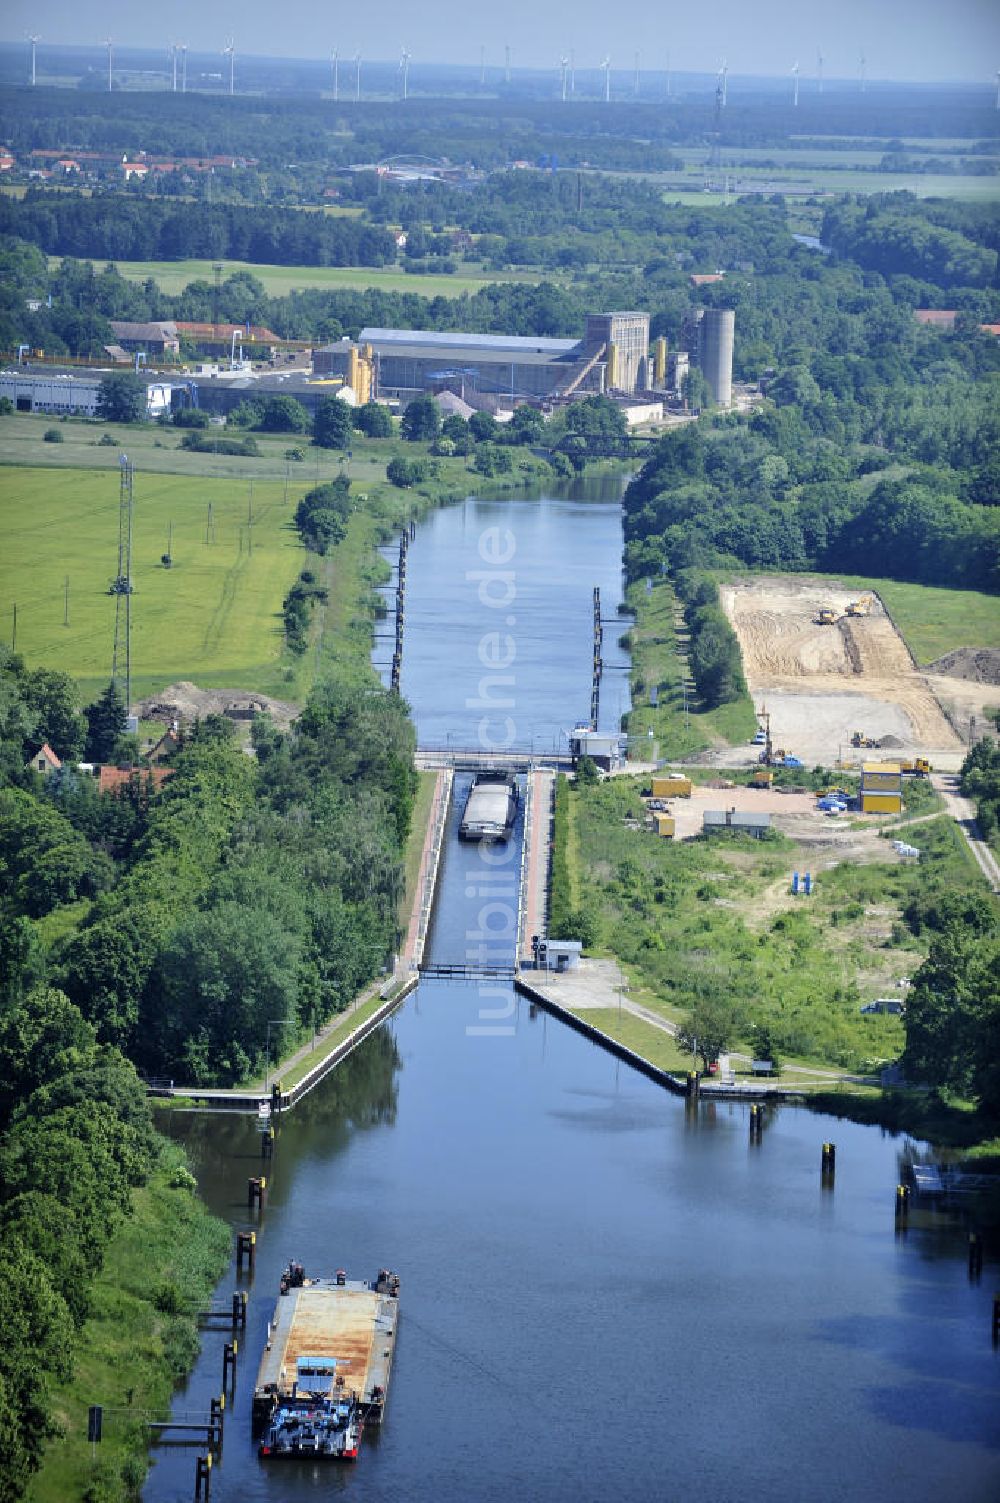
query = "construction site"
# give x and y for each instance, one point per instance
(836, 676)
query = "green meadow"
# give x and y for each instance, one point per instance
(278, 281)
(214, 616)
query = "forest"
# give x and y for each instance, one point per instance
(247, 890)
(302, 127)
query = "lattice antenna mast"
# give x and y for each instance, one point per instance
(121, 663)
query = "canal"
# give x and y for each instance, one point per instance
(605, 1295)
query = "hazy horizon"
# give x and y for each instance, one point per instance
(905, 41)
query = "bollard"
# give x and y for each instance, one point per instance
(240, 1308)
(692, 1083)
(256, 1191)
(975, 1255)
(203, 1477)
(902, 1201)
(246, 1247)
(828, 1161)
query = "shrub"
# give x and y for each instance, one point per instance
(190, 417)
(52, 436)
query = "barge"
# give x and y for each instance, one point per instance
(325, 1371)
(491, 807)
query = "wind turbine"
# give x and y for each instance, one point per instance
(606, 65)
(563, 65)
(819, 70)
(862, 66)
(184, 67)
(229, 50)
(34, 43)
(795, 87)
(173, 66)
(357, 77)
(404, 68)
(109, 46)
(335, 67)
(723, 88)
(572, 71)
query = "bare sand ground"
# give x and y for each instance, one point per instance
(821, 683)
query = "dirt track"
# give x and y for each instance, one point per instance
(821, 683)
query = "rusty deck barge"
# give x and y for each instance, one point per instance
(324, 1374)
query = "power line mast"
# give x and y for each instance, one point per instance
(121, 662)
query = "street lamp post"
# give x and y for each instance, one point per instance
(267, 1045)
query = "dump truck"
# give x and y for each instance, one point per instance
(915, 767)
(826, 616)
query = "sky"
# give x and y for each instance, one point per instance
(901, 40)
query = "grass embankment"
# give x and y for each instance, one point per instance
(718, 916)
(278, 281)
(658, 661)
(933, 621)
(141, 1340)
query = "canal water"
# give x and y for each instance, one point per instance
(605, 1294)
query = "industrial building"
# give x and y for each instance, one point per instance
(613, 356)
(71, 394)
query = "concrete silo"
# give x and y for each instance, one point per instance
(716, 330)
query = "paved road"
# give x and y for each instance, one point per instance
(962, 810)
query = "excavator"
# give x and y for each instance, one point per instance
(861, 606)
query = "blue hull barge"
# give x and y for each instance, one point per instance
(325, 1371)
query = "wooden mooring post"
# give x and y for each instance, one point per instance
(975, 1256)
(756, 1123)
(256, 1192)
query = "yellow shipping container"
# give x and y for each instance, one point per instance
(666, 825)
(881, 803)
(671, 787)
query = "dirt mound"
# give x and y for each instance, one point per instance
(185, 702)
(980, 665)
(891, 741)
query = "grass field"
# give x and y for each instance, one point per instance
(214, 617)
(174, 276)
(701, 916)
(934, 621)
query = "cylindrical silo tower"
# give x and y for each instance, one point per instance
(715, 353)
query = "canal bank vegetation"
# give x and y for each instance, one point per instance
(713, 940)
(105, 1252)
(683, 721)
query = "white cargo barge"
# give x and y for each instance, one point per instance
(491, 808)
